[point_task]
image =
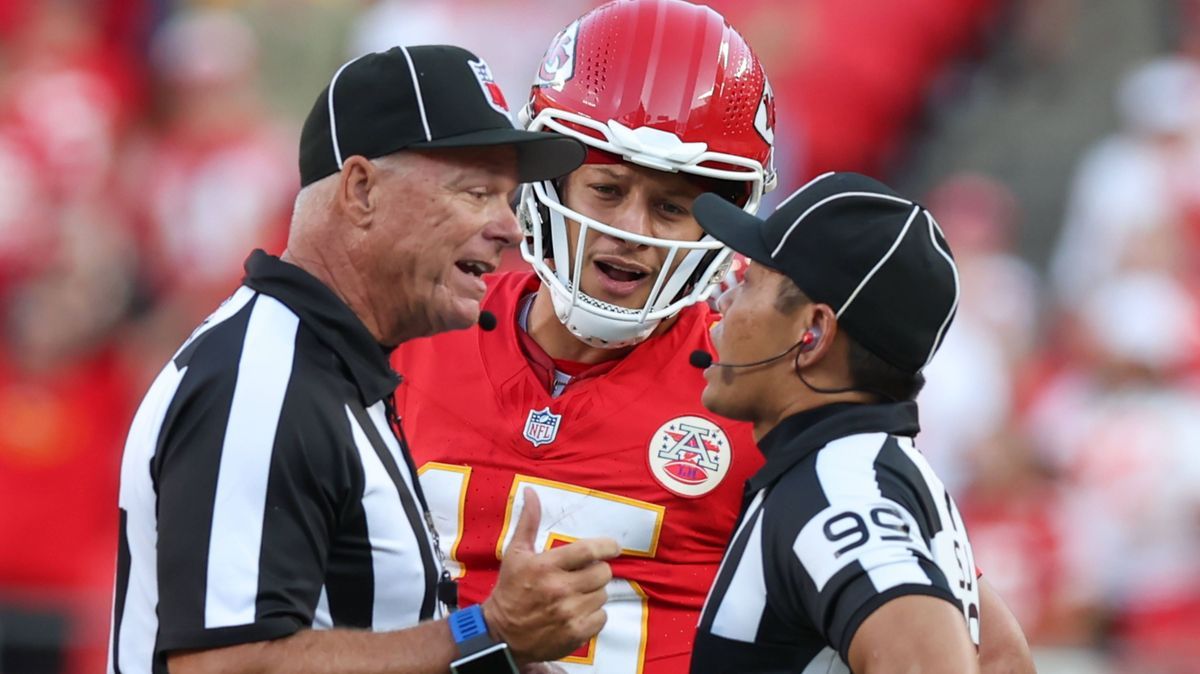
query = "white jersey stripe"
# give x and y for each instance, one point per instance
(322, 620)
(753, 507)
(399, 588)
(139, 621)
(841, 472)
(740, 619)
(237, 524)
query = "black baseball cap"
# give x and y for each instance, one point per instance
(426, 97)
(851, 242)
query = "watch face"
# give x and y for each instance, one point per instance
(494, 659)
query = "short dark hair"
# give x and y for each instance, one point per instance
(790, 297)
(868, 372)
(874, 375)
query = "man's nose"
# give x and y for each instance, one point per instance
(633, 218)
(725, 300)
(503, 227)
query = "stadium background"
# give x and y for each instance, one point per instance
(147, 145)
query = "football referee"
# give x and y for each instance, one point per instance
(849, 555)
(270, 519)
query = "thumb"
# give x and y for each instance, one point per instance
(526, 531)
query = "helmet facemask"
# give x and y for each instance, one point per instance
(701, 264)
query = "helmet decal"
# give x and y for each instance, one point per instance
(764, 117)
(559, 64)
(491, 90)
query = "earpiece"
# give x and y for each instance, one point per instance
(810, 339)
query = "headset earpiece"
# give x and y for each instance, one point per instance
(810, 339)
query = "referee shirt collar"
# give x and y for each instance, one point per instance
(801, 434)
(333, 323)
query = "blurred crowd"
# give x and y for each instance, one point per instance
(1065, 406)
(146, 146)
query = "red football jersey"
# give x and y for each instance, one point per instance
(630, 454)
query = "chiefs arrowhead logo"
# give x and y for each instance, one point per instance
(764, 118)
(491, 90)
(559, 64)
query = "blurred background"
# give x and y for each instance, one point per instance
(146, 146)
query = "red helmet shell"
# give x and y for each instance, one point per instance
(665, 64)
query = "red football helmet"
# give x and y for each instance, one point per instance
(663, 84)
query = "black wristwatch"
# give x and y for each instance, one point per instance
(477, 653)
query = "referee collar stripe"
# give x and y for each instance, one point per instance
(801, 434)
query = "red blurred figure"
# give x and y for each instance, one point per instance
(218, 175)
(65, 400)
(64, 103)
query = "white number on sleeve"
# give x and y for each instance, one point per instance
(877, 535)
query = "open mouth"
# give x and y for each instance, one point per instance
(620, 273)
(475, 268)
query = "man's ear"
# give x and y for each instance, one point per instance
(355, 190)
(822, 324)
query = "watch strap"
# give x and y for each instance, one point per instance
(470, 630)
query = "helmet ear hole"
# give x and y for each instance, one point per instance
(544, 214)
(532, 212)
(697, 276)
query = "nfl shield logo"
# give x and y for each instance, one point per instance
(542, 426)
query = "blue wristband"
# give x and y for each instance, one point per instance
(468, 625)
(478, 654)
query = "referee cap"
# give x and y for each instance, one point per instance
(851, 242)
(425, 97)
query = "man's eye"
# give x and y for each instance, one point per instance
(606, 190)
(672, 209)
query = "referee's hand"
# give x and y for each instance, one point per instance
(547, 604)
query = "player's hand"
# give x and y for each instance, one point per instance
(547, 604)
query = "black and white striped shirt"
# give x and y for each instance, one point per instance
(845, 516)
(263, 489)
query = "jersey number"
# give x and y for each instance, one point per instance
(569, 513)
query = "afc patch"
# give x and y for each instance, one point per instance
(689, 456)
(541, 426)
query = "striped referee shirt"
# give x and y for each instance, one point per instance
(845, 516)
(263, 489)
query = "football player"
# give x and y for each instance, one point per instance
(583, 390)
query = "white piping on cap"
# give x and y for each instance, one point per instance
(883, 260)
(953, 269)
(826, 200)
(417, 87)
(803, 187)
(337, 150)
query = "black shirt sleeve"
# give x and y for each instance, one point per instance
(833, 557)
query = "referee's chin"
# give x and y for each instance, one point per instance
(720, 398)
(461, 314)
